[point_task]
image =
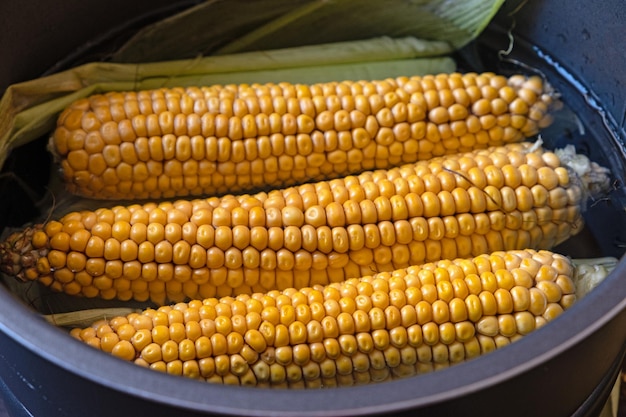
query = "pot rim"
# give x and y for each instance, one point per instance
(587, 316)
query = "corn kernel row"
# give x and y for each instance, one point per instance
(236, 138)
(455, 206)
(389, 325)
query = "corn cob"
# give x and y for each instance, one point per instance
(379, 327)
(239, 138)
(455, 206)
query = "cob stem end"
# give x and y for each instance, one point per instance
(18, 256)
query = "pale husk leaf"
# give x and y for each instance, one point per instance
(28, 110)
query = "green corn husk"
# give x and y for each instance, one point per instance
(219, 27)
(28, 110)
(349, 39)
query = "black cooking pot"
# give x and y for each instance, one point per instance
(564, 369)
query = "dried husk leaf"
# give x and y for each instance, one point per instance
(28, 110)
(85, 318)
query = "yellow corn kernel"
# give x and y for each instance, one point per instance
(305, 235)
(360, 330)
(217, 139)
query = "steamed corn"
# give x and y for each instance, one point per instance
(375, 328)
(461, 205)
(237, 138)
